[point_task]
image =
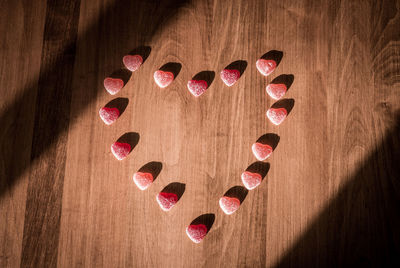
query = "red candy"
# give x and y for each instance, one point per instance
(132, 62)
(163, 79)
(229, 77)
(143, 180)
(197, 87)
(167, 200)
(109, 115)
(276, 115)
(261, 151)
(113, 85)
(266, 67)
(251, 180)
(276, 91)
(196, 232)
(229, 204)
(120, 150)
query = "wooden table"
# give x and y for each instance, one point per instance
(331, 197)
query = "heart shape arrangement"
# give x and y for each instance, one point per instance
(229, 77)
(229, 204)
(132, 62)
(196, 232)
(109, 115)
(276, 91)
(120, 150)
(251, 179)
(197, 87)
(143, 180)
(277, 115)
(113, 85)
(167, 200)
(163, 79)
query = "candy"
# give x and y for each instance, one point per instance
(276, 115)
(229, 77)
(143, 180)
(276, 91)
(261, 151)
(167, 200)
(113, 85)
(109, 115)
(120, 150)
(266, 67)
(251, 180)
(163, 79)
(196, 232)
(197, 87)
(132, 62)
(229, 204)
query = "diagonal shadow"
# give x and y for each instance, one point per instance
(361, 226)
(53, 98)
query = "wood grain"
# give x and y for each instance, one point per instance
(331, 195)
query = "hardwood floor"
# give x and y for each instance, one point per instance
(331, 194)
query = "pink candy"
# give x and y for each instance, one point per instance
(163, 79)
(276, 91)
(167, 200)
(261, 151)
(197, 87)
(120, 150)
(266, 67)
(229, 77)
(132, 62)
(109, 115)
(251, 180)
(143, 180)
(196, 232)
(229, 204)
(113, 85)
(276, 115)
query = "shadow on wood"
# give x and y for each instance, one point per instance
(119, 103)
(132, 138)
(275, 55)
(284, 103)
(143, 51)
(153, 167)
(173, 67)
(237, 191)
(360, 226)
(271, 139)
(175, 188)
(206, 219)
(239, 65)
(259, 167)
(286, 79)
(207, 76)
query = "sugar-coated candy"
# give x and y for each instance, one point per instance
(167, 200)
(276, 115)
(229, 204)
(276, 91)
(229, 77)
(109, 115)
(196, 232)
(163, 79)
(120, 150)
(261, 151)
(113, 85)
(143, 180)
(132, 62)
(251, 180)
(197, 87)
(266, 67)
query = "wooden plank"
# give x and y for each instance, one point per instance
(21, 29)
(44, 193)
